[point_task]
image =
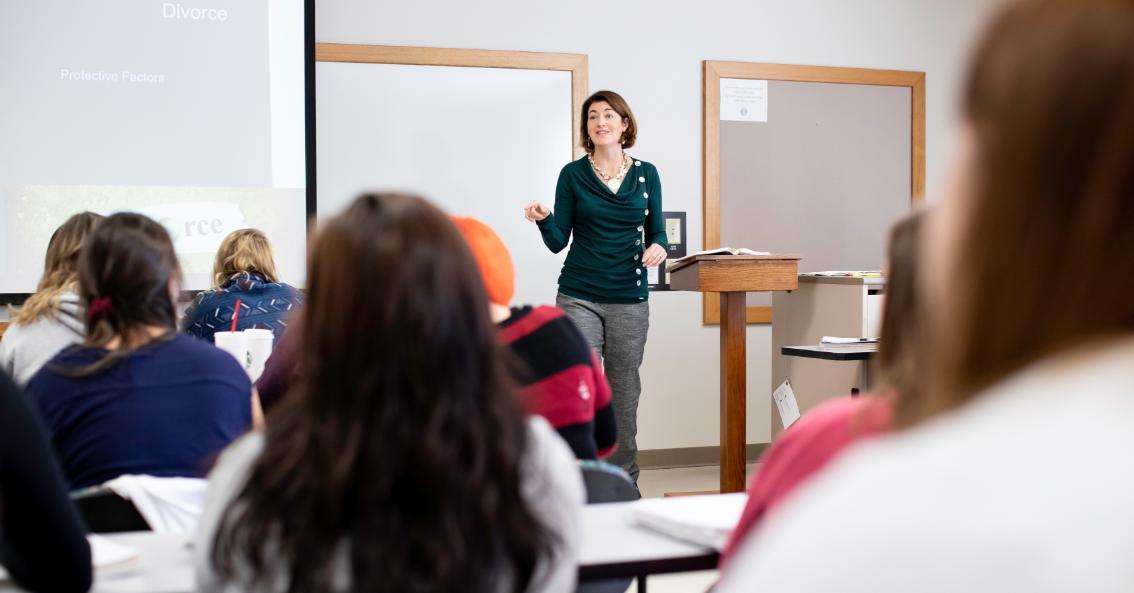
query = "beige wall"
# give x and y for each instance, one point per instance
(651, 52)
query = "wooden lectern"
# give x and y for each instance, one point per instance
(733, 276)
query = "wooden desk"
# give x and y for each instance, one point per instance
(733, 276)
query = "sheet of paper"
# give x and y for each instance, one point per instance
(744, 100)
(838, 340)
(673, 230)
(786, 404)
(652, 275)
(105, 552)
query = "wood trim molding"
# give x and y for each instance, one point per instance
(576, 64)
(714, 71)
(693, 456)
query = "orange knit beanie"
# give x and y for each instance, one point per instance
(492, 257)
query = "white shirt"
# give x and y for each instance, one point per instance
(552, 487)
(1030, 487)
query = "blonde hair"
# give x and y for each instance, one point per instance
(245, 250)
(60, 268)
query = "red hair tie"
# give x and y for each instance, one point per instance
(98, 308)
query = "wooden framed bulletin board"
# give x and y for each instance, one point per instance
(824, 164)
(477, 132)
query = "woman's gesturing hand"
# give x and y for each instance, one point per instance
(536, 212)
(653, 256)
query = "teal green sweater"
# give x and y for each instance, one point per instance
(604, 264)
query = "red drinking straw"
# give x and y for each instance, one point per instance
(235, 314)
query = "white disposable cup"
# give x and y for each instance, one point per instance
(236, 344)
(259, 349)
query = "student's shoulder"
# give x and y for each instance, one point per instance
(238, 457)
(73, 355)
(550, 321)
(51, 377)
(557, 322)
(207, 358)
(548, 454)
(282, 289)
(542, 314)
(546, 445)
(205, 297)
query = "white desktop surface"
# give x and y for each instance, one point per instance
(165, 562)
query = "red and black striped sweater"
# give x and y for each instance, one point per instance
(561, 378)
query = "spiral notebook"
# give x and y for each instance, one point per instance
(706, 520)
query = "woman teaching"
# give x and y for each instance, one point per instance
(611, 202)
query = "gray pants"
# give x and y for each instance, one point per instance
(617, 333)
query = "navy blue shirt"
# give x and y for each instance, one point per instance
(263, 305)
(166, 410)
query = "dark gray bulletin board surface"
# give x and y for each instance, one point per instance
(826, 176)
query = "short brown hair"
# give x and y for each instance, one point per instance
(621, 107)
(245, 250)
(1045, 255)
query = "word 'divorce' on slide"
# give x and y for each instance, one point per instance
(173, 10)
(197, 227)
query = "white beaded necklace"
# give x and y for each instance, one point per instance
(621, 170)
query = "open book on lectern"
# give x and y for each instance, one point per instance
(681, 262)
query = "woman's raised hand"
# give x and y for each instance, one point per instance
(536, 212)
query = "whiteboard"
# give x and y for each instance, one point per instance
(476, 141)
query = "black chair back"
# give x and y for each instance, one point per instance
(106, 512)
(606, 483)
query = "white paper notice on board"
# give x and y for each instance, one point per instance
(744, 100)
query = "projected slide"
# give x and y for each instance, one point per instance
(189, 112)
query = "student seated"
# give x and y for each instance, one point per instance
(560, 377)
(244, 274)
(42, 539)
(1010, 472)
(136, 397)
(401, 460)
(52, 318)
(825, 432)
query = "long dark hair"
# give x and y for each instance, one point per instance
(402, 437)
(901, 350)
(127, 273)
(1045, 251)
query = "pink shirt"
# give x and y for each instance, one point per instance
(805, 448)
